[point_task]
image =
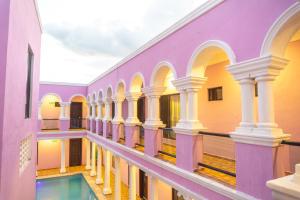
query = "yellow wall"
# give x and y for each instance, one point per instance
(48, 109)
(287, 93)
(224, 115)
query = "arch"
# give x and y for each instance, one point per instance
(205, 52)
(163, 73)
(109, 92)
(77, 95)
(121, 88)
(137, 82)
(50, 94)
(94, 96)
(281, 32)
(100, 95)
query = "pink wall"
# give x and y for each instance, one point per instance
(64, 91)
(21, 30)
(238, 29)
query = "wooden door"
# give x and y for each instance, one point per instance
(76, 115)
(75, 152)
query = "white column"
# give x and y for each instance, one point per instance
(88, 110)
(99, 112)
(63, 157)
(40, 111)
(132, 182)
(132, 99)
(99, 179)
(93, 110)
(93, 171)
(62, 110)
(118, 109)
(183, 105)
(266, 102)
(156, 108)
(88, 155)
(247, 91)
(107, 109)
(107, 188)
(117, 178)
(153, 194)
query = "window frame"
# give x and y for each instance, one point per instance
(213, 93)
(28, 94)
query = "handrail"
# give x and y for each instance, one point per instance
(217, 169)
(214, 134)
(138, 144)
(292, 143)
(166, 153)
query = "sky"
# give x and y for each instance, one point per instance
(84, 38)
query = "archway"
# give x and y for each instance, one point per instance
(219, 100)
(283, 40)
(50, 112)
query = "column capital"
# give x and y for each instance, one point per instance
(118, 98)
(189, 82)
(267, 66)
(154, 91)
(133, 96)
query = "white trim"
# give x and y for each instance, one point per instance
(62, 83)
(77, 95)
(201, 10)
(210, 43)
(198, 179)
(276, 27)
(53, 94)
(38, 15)
(157, 68)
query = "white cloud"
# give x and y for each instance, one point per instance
(83, 38)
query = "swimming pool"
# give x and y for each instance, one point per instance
(72, 187)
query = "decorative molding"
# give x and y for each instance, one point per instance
(63, 84)
(189, 82)
(276, 26)
(211, 43)
(153, 91)
(201, 10)
(258, 67)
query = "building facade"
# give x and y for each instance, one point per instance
(20, 38)
(208, 109)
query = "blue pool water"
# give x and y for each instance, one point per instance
(64, 188)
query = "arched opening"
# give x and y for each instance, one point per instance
(283, 40)
(219, 104)
(50, 112)
(169, 107)
(78, 112)
(136, 86)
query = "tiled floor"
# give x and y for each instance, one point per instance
(91, 181)
(215, 161)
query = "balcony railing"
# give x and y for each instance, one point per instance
(168, 133)
(50, 124)
(79, 123)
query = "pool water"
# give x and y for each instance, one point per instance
(72, 187)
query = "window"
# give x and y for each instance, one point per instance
(24, 153)
(215, 94)
(29, 83)
(170, 109)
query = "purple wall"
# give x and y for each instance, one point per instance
(19, 28)
(64, 91)
(232, 22)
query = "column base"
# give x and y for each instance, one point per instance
(153, 141)
(189, 126)
(99, 181)
(271, 137)
(93, 173)
(87, 167)
(62, 170)
(131, 135)
(107, 191)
